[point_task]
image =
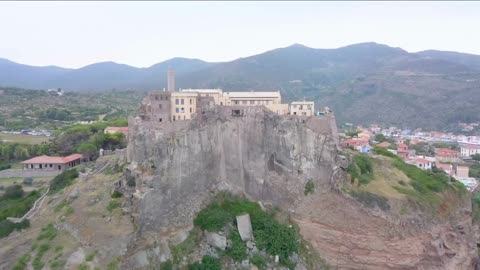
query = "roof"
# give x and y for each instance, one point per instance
(422, 160)
(302, 103)
(444, 166)
(445, 150)
(471, 146)
(54, 160)
(253, 94)
(208, 91)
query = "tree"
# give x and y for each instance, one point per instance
(476, 157)
(380, 138)
(13, 192)
(88, 150)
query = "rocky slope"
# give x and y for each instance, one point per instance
(268, 158)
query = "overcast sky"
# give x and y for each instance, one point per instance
(75, 34)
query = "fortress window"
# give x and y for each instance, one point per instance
(159, 119)
(182, 110)
(160, 106)
(191, 101)
(237, 112)
(252, 101)
(190, 109)
(182, 101)
(235, 102)
(177, 101)
(156, 97)
(174, 118)
(244, 102)
(177, 110)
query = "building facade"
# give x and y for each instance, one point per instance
(303, 108)
(52, 163)
(469, 150)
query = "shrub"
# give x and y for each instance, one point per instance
(423, 181)
(309, 187)
(5, 166)
(13, 192)
(63, 180)
(116, 194)
(167, 265)
(28, 181)
(7, 227)
(113, 205)
(259, 261)
(48, 232)
(401, 182)
(213, 218)
(361, 169)
(238, 250)
(370, 200)
(17, 207)
(208, 263)
(90, 256)
(22, 262)
(384, 152)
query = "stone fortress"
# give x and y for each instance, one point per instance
(185, 104)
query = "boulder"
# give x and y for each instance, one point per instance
(216, 240)
(245, 227)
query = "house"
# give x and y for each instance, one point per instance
(52, 163)
(469, 150)
(399, 140)
(384, 144)
(402, 151)
(447, 155)
(111, 130)
(423, 163)
(462, 171)
(446, 167)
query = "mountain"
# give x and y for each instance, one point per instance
(363, 83)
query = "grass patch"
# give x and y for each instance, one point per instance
(37, 261)
(22, 262)
(60, 205)
(167, 265)
(14, 203)
(63, 180)
(116, 195)
(48, 232)
(237, 251)
(212, 218)
(113, 264)
(91, 256)
(69, 210)
(113, 204)
(83, 267)
(259, 261)
(208, 263)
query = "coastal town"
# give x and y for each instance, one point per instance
(451, 153)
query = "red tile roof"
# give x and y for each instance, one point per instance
(422, 160)
(54, 160)
(471, 146)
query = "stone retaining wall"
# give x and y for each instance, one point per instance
(27, 173)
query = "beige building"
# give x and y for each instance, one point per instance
(171, 105)
(304, 108)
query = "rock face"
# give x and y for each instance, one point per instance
(269, 158)
(245, 227)
(261, 155)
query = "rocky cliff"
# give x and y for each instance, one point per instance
(178, 166)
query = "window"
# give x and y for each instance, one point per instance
(166, 98)
(252, 101)
(174, 118)
(161, 97)
(235, 102)
(177, 101)
(160, 106)
(159, 119)
(156, 97)
(177, 110)
(182, 110)
(191, 101)
(182, 101)
(244, 102)
(51, 165)
(190, 109)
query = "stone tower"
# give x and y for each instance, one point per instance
(171, 80)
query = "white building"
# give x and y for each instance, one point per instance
(469, 149)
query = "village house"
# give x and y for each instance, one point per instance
(402, 151)
(52, 163)
(446, 167)
(447, 155)
(462, 171)
(384, 144)
(422, 163)
(469, 150)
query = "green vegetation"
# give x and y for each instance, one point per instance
(113, 264)
(167, 265)
(384, 152)
(309, 187)
(63, 180)
(423, 181)
(237, 250)
(28, 181)
(476, 157)
(7, 227)
(116, 194)
(48, 232)
(352, 133)
(208, 263)
(187, 246)
(113, 204)
(259, 261)
(371, 200)
(212, 218)
(37, 261)
(474, 171)
(361, 169)
(83, 267)
(476, 207)
(91, 256)
(22, 262)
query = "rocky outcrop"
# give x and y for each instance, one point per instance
(262, 155)
(269, 158)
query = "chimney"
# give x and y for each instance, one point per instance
(171, 80)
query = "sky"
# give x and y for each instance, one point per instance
(75, 34)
